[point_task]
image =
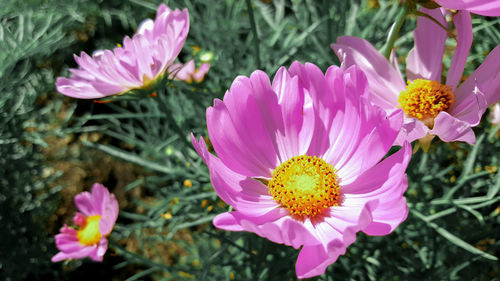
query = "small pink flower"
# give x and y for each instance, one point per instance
(143, 59)
(189, 73)
(481, 7)
(301, 161)
(446, 110)
(97, 216)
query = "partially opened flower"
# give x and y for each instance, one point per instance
(300, 161)
(139, 63)
(482, 7)
(189, 73)
(447, 110)
(97, 216)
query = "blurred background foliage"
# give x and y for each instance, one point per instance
(53, 147)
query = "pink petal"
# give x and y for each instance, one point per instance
(200, 73)
(486, 78)
(449, 128)
(364, 129)
(385, 80)
(481, 7)
(238, 129)
(336, 233)
(426, 59)
(384, 183)
(278, 227)
(84, 202)
(412, 129)
(245, 194)
(464, 41)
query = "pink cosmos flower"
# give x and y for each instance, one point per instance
(97, 216)
(482, 7)
(446, 110)
(300, 161)
(189, 73)
(142, 59)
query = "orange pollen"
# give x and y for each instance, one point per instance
(305, 185)
(424, 99)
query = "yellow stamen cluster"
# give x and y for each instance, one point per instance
(424, 99)
(89, 234)
(305, 185)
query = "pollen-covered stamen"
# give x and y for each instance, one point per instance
(305, 185)
(89, 234)
(424, 99)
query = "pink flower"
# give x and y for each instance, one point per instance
(299, 160)
(99, 211)
(136, 65)
(189, 73)
(482, 7)
(448, 111)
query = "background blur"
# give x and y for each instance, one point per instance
(53, 147)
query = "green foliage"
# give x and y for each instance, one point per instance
(164, 232)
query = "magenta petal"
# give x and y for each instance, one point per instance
(278, 227)
(412, 129)
(489, 8)
(364, 129)
(464, 41)
(384, 183)
(486, 78)
(238, 128)
(426, 59)
(84, 202)
(449, 128)
(385, 81)
(336, 233)
(245, 194)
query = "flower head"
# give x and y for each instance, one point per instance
(189, 73)
(300, 161)
(142, 60)
(97, 216)
(447, 110)
(481, 7)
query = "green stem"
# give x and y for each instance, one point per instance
(386, 50)
(420, 14)
(254, 31)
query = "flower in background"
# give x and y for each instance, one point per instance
(137, 65)
(97, 216)
(189, 73)
(300, 161)
(481, 7)
(446, 110)
(495, 114)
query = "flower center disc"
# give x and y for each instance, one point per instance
(305, 185)
(90, 234)
(424, 99)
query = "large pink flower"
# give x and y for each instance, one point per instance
(300, 161)
(482, 7)
(143, 59)
(448, 111)
(97, 216)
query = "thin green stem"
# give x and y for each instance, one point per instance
(254, 31)
(420, 14)
(386, 50)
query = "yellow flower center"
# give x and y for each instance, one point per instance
(90, 234)
(424, 99)
(305, 185)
